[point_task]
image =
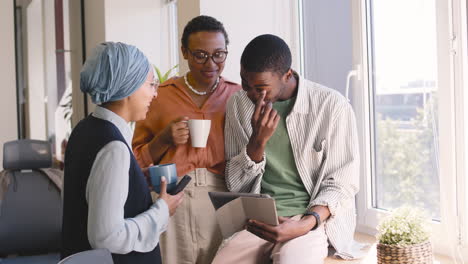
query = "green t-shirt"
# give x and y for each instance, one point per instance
(281, 179)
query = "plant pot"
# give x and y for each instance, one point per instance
(410, 254)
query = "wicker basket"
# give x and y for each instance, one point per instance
(412, 254)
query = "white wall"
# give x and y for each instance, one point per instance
(142, 23)
(328, 42)
(186, 10)
(95, 33)
(137, 23)
(8, 114)
(95, 28)
(246, 19)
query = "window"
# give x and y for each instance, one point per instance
(403, 86)
(411, 109)
(43, 72)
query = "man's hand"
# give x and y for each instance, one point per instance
(177, 132)
(172, 201)
(264, 122)
(287, 229)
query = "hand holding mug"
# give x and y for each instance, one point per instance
(169, 171)
(177, 132)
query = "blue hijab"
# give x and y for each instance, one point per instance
(113, 72)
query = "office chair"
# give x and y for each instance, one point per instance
(31, 208)
(102, 256)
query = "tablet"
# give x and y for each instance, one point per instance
(218, 199)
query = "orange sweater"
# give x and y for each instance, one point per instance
(173, 101)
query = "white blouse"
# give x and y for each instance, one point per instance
(106, 193)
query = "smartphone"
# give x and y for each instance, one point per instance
(181, 185)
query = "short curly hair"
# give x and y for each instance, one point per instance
(203, 23)
(267, 53)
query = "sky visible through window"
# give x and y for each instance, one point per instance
(404, 79)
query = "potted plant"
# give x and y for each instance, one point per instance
(163, 77)
(404, 238)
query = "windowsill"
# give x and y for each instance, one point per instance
(371, 257)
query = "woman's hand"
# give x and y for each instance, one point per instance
(172, 201)
(177, 132)
(147, 177)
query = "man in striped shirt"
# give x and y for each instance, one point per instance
(296, 141)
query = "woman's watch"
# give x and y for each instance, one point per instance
(317, 219)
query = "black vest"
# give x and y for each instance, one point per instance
(86, 140)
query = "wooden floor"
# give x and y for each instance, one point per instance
(371, 257)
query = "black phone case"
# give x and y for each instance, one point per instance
(181, 185)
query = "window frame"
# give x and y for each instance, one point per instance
(450, 236)
(460, 58)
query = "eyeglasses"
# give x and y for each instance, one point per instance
(154, 83)
(201, 57)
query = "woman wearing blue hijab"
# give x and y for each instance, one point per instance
(107, 203)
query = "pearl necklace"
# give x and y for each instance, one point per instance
(197, 92)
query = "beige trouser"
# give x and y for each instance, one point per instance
(193, 235)
(246, 248)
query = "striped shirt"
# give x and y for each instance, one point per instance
(323, 135)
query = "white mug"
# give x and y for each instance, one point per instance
(199, 132)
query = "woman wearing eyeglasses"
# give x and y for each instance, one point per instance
(106, 202)
(193, 235)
